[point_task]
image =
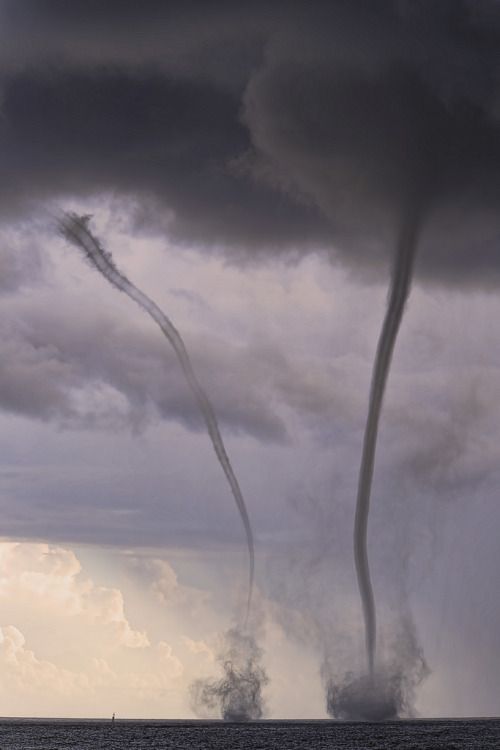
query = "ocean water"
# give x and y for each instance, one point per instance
(31, 734)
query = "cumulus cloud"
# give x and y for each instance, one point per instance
(40, 686)
(65, 640)
(24, 672)
(45, 577)
(161, 580)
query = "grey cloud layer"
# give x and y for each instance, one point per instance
(333, 118)
(20, 262)
(83, 367)
(52, 370)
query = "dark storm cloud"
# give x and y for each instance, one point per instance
(181, 39)
(171, 142)
(265, 126)
(399, 114)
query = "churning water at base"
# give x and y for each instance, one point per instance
(25, 734)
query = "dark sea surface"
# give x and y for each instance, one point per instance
(32, 734)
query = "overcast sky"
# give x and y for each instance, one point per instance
(249, 166)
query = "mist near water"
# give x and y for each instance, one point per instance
(386, 693)
(238, 694)
(76, 230)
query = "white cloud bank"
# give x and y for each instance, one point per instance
(67, 646)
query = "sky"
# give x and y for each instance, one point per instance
(250, 167)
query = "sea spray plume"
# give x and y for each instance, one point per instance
(365, 697)
(398, 295)
(237, 695)
(76, 230)
(387, 694)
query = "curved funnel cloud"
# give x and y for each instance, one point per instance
(75, 229)
(399, 291)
